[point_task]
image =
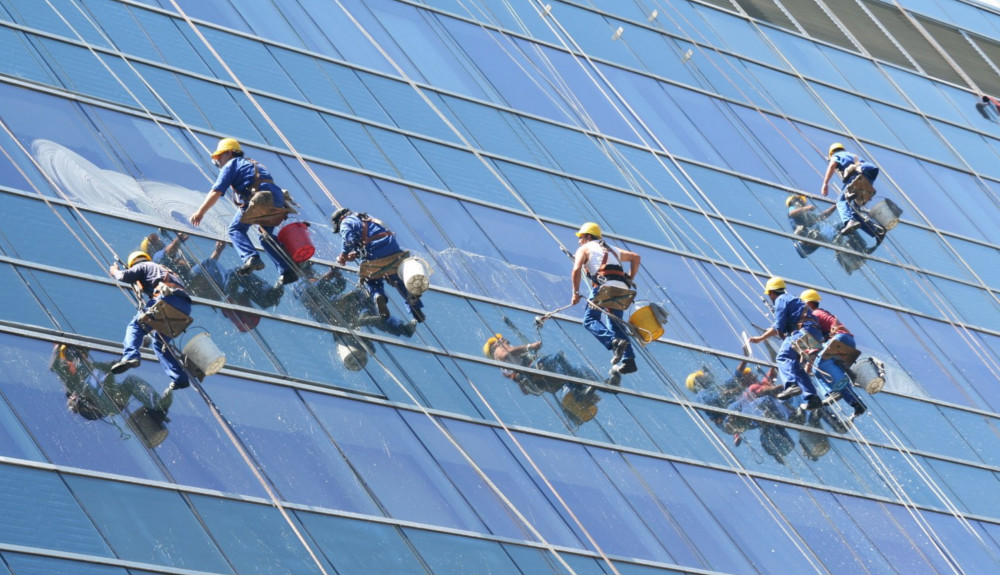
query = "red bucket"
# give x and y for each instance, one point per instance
(294, 238)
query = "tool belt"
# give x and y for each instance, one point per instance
(260, 209)
(841, 352)
(382, 267)
(805, 344)
(165, 319)
(614, 296)
(860, 189)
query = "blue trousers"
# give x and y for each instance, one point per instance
(245, 248)
(135, 332)
(377, 286)
(606, 329)
(833, 375)
(844, 208)
(790, 368)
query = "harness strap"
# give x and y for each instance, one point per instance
(365, 238)
(255, 185)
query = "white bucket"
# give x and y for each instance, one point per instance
(415, 273)
(354, 357)
(866, 374)
(886, 213)
(204, 354)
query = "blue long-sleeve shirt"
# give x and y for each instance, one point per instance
(788, 313)
(352, 234)
(238, 174)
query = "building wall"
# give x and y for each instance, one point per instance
(483, 134)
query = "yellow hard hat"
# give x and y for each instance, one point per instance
(488, 346)
(774, 284)
(136, 257)
(810, 295)
(794, 198)
(226, 145)
(147, 243)
(693, 379)
(590, 228)
(834, 147)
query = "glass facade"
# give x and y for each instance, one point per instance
(483, 133)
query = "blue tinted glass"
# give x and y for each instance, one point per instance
(357, 546)
(291, 447)
(170, 534)
(36, 565)
(40, 511)
(387, 456)
(863, 75)
(255, 538)
(19, 58)
(447, 554)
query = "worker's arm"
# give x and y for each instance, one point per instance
(633, 259)
(771, 332)
(578, 261)
(206, 205)
(830, 169)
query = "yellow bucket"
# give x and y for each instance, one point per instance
(648, 320)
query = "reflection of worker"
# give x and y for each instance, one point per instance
(850, 167)
(325, 299)
(603, 263)
(794, 322)
(500, 349)
(830, 369)
(245, 177)
(367, 239)
(806, 222)
(207, 277)
(169, 255)
(158, 283)
(578, 403)
(92, 392)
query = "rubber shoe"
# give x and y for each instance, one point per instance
(812, 403)
(251, 265)
(850, 227)
(124, 365)
(859, 410)
(382, 304)
(287, 277)
(409, 328)
(418, 315)
(789, 392)
(737, 439)
(618, 346)
(180, 384)
(626, 367)
(614, 379)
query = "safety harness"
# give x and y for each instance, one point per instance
(260, 208)
(161, 316)
(382, 267)
(606, 294)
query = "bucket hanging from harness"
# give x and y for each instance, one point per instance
(613, 289)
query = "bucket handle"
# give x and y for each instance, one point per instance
(427, 266)
(190, 332)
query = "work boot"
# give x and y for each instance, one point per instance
(287, 277)
(370, 320)
(382, 305)
(614, 379)
(124, 365)
(850, 227)
(180, 384)
(789, 392)
(418, 314)
(409, 328)
(618, 346)
(737, 439)
(625, 367)
(859, 410)
(812, 403)
(253, 264)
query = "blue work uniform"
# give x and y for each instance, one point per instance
(845, 159)
(326, 303)
(793, 320)
(239, 174)
(374, 243)
(149, 275)
(831, 372)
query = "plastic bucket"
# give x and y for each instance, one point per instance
(415, 273)
(867, 373)
(354, 357)
(886, 213)
(204, 354)
(294, 237)
(649, 320)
